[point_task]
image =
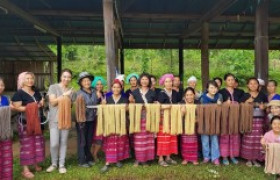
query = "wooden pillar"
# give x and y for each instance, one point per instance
(122, 60)
(261, 40)
(108, 17)
(181, 61)
(59, 57)
(204, 54)
(51, 72)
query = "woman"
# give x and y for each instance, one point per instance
(85, 130)
(32, 147)
(116, 147)
(153, 85)
(166, 143)
(230, 144)
(219, 81)
(189, 143)
(144, 144)
(6, 149)
(251, 147)
(192, 83)
(58, 137)
(273, 108)
(98, 84)
(131, 79)
(210, 145)
(271, 89)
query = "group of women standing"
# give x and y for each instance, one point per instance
(144, 145)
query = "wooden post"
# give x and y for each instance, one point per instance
(51, 72)
(59, 57)
(108, 17)
(122, 60)
(181, 61)
(204, 54)
(261, 40)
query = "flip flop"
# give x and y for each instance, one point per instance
(27, 175)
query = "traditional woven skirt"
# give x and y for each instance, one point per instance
(251, 148)
(6, 160)
(32, 148)
(116, 148)
(230, 145)
(189, 147)
(166, 144)
(144, 144)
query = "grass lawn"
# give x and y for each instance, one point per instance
(154, 172)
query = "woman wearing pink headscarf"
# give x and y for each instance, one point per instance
(166, 143)
(32, 147)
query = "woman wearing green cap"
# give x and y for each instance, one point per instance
(131, 79)
(98, 84)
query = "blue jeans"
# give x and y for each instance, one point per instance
(212, 152)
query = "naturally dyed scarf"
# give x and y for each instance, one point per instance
(272, 158)
(64, 113)
(33, 124)
(80, 109)
(5, 123)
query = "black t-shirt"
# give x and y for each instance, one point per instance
(261, 98)
(237, 94)
(122, 100)
(25, 98)
(164, 99)
(150, 96)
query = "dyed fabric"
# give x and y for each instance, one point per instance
(32, 148)
(189, 120)
(209, 117)
(166, 143)
(230, 145)
(246, 118)
(6, 160)
(5, 123)
(80, 109)
(116, 148)
(189, 147)
(272, 158)
(152, 117)
(6, 149)
(144, 144)
(251, 148)
(33, 125)
(64, 113)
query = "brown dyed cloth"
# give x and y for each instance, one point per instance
(64, 113)
(272, 158)
(33, 125)
(80, 109)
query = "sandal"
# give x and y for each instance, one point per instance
(184, 162)
(256, 164)
(163, 163)
(38, 168)
(195, 163)
(136, 164)
(171, 162)
(249, 164)
(27, 175)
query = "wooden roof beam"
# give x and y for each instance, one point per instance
(217, 9)
(28, 17)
